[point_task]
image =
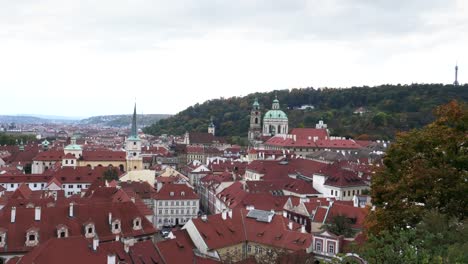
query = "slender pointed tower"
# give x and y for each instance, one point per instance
(133, 147)
(456, 75)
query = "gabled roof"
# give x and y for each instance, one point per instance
(22, 192)
(143, 189)
(218, 233)
(56, 251)
(175, 192)
(204, 138)
(85, 211)
(180, 250)
(49, 155)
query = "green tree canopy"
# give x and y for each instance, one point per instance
(339, 225)
(425, 169)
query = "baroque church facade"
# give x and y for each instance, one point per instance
(275, 122)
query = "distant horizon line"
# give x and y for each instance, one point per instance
(44, 116)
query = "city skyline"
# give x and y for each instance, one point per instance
(85, 59)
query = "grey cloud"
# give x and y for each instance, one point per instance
(144, 23)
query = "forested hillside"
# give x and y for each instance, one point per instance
(122, 120)
(392, 108)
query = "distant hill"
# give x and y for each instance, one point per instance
(391, 108)
(122, 120)
(20, 119)
(107, 120)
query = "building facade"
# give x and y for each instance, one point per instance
(275, 121)
(174, 205)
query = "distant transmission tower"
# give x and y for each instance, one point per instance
(456, 75)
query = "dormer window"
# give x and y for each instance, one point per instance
(116, 226)
(182, 193)
(89, 230)
(171, 193)
(137, 223)
(32, 237)
(62, 231)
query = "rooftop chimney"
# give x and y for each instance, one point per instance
(230, 213)
(303, 230)
(204, 218)
(110, 218)
(70, 210)
(95, 243)
(111, 259)
(290, 225)
(224, 215)
(37, 213)
(13, 214)
(285, 214)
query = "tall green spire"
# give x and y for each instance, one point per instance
(134, 124)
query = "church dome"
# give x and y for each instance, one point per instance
(275, 114)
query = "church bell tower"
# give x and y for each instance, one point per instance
(133, 147)
(255, 121)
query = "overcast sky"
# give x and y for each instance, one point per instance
(88, 57)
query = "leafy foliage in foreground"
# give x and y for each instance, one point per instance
(425, 169)
(420, 195)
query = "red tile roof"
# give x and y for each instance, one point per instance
(204, 138)
(218, 233)
(73, 250)
(25, 178)
(143, 189)
(85, 211)
(49, 155)
(305, 133)
(175, 192)
(79, 174)
(180, 250)
(264, 201)
(104, 155)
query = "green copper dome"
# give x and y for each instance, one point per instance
(73, 147)
(256, 103)
(275, 114)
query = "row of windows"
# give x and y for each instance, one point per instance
(182, 203)
(258, 249)
(166, 211)
(12, 185)
(172, 220)
(318, 246)
(71, 186)
(354, 192)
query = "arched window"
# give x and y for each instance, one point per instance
(116, 227)
(137, 223)
(32, 237)
(89, 230)
(256, 120)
